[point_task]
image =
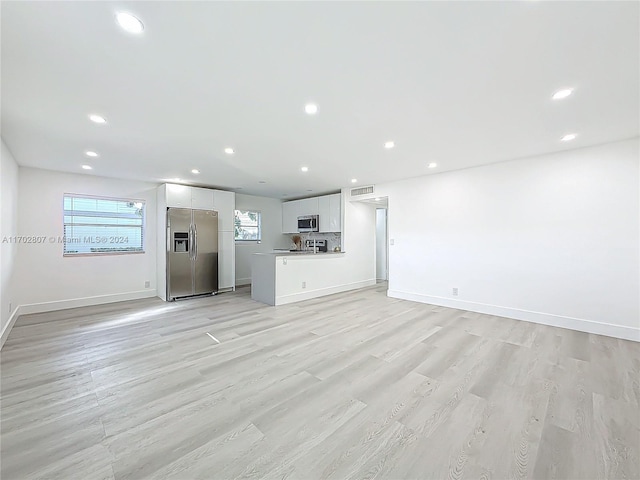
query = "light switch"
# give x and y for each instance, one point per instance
(392, 242)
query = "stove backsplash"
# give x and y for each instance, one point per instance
(333, 239)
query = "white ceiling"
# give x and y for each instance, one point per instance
(457, 83)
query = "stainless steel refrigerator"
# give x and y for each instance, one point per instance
(192, 252)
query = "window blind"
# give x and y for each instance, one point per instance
(94, 225)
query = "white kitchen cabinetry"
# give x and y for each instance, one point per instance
(308, 206)
(202, 199)
(226, 260)
(324, 210)
(289, 217)
(224, 202)
(335, 213)
(178, 195)
(184, 196)
(328, 208)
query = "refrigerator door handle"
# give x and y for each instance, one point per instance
(191, 242)
(195, 241)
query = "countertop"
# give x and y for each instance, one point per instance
(299, 253)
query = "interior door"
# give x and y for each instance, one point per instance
(179, 265)
(206, 251)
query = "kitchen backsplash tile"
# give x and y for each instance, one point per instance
(333, 239)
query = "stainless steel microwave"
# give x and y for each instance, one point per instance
(308, 223)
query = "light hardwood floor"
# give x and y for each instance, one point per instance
(355, 385)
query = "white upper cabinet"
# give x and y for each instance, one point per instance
(335, 212)
(324, 210)
(289, 217)
(308, 206)
(202, 198)
(224, 203)
(178, 196)
(297, 208)
(328, 208)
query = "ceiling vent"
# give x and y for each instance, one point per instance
(361, 191)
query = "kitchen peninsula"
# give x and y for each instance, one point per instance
(286, 277)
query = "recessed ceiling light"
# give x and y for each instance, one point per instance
(311, 108)
(87, 167)
(389, 145)
(432, 165)
(129, 22)
(305, 169)
(229, 151)
(568, 137)
(195, 171)
(90, 153)
(564, 93)
(97, 118)
(354, 180)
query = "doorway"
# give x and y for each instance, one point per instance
(382, 253)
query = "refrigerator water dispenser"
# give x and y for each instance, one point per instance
(181, 242)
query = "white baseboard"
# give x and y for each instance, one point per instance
(71, 303)
(84, 301)
(579, 324)
(321, 292)
(7, 329)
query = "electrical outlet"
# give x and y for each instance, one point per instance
(304, 284)
(392, 241)
(147, 284)
(455, 291)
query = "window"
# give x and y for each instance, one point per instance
(102, 226)
(247, 226)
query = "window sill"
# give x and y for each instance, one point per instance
(100, 254)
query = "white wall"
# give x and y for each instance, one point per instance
(381, 243)
(552, 239)
(359, 240)
(8, 228)
(45, 280)
(272, 237)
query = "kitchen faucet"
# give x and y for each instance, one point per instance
(315, 250)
